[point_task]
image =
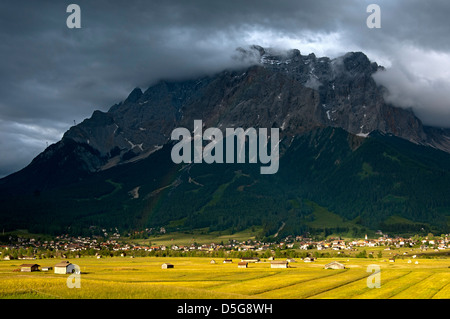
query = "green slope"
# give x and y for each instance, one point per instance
(329, 182)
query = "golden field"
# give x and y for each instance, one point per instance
(197, 278)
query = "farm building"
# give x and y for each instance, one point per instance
(212, 261)
(47, 268)
(279, 264)
(227, 261)
(334, 265)
(242, 264)
(64, 267)
(250, 259)
(166, 266)
(27, 257)
(309, 259)
(291, 260)
(29, 267)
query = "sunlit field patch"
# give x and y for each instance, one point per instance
(197, 278)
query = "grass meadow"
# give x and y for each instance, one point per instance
(197, 278)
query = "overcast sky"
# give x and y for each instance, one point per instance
(51, 76)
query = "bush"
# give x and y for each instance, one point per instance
(361, 254)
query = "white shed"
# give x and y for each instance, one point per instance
(64, 267)
(279, 264)
(334, 265)
(166, 266)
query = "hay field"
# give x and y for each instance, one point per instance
(197, 278)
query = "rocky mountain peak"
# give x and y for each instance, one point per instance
(283, 88)
(134, 96)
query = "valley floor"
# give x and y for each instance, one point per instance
(198, 278)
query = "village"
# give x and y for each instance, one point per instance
(109, 245)
(40, 265)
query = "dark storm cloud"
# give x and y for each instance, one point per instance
(51, 75)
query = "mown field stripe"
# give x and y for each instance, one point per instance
(237, 282)
(154, 291)
(444, 293)
(354, 289)
(46, 294)
(425, 288)
(315, 286)
(255, 287)
(362, 279)
(394, 287)
(298, 282)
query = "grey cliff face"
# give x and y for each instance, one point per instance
(348, 94)
(294, 92)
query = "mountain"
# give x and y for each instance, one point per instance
(344, 151)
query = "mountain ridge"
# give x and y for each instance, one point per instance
(336, 134)
(144, 120)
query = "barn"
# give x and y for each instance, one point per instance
(64, 267)
(242, 264)
(166, 266)
(334, 265)
(250, 259)
(291, 260)
(29, 267)
(279, 264)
